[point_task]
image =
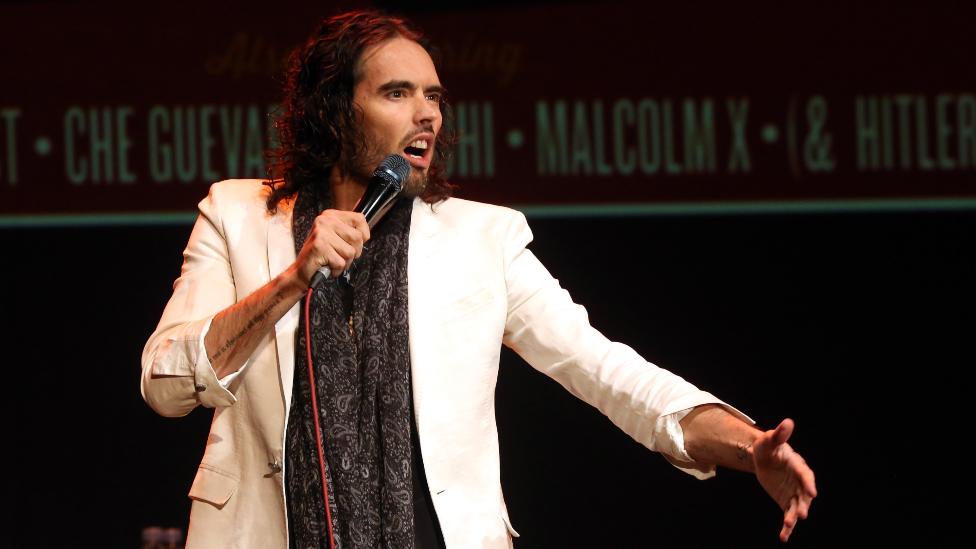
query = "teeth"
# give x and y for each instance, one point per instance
(419, 144)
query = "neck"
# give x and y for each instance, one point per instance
(346, 190)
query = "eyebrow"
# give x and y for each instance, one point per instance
(408, 85)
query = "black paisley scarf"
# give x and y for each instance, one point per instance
(362, 368)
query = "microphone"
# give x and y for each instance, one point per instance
(384, 186)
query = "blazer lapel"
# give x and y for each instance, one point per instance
(422, 282)
(420, 274)
(281, 254)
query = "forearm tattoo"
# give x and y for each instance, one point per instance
(278, 298)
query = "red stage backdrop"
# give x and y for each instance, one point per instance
(110, 110)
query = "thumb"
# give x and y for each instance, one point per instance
(783, 431)
(770, 440)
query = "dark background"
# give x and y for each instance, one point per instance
(857, 325)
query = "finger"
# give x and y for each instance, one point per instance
(784, 534)
(341, 236)
(803, 507)
(333, 252)
(777, 436)
(789, 522)
(350, 235)
(355, 239)
(333, 219)
(805, 478)
(335, 262)
(768, 445)
(358, 221)
(808, 481)
(783, 431)
(355, 221)
(346, 250)
(808, 489)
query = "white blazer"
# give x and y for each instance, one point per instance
(472, 286)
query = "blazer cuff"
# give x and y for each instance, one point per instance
(185, 355)
(670, 441)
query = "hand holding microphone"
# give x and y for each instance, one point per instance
(345, 231)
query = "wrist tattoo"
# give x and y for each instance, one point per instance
(742, 450)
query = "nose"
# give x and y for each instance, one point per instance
(427, 112)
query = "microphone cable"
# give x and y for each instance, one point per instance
(320, 445)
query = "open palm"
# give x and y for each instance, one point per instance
(785, 475)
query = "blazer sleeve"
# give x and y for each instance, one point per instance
(553, 334)
(176, 373)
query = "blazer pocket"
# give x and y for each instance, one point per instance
(213, 485)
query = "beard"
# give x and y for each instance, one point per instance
(415, 184)
(361, 164)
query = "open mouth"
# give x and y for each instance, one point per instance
(417, 149)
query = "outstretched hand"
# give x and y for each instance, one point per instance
(784, 475)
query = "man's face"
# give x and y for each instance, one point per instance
(398, 94)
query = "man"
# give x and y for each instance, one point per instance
(375, 426)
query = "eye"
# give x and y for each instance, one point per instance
(435, 97)
(396, 94)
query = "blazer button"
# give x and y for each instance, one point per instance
(200, 387)
(274, 466)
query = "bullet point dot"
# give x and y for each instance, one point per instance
(42, 146)
(770, 133)
(515, 139)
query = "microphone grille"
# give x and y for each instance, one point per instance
(395, 169)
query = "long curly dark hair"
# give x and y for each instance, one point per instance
(318, 117)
